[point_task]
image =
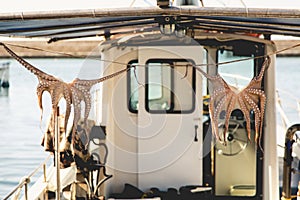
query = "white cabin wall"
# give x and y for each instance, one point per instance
(271, 177)
(122, 128)
(120, 123)
(170, 157)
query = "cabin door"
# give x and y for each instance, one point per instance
(169, 133)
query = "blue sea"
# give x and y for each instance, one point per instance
(21, 128)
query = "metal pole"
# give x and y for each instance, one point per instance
(151, 11)
(287, 161)
(44, 173)
(26, 191)
(57, 156)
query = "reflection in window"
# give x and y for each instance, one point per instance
(133, 95)
(159, 86)
(237, 74)
(155, 74)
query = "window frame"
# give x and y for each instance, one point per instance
(169, 61)
(129, 92)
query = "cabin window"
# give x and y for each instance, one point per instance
(237, 74)
(133, 95)
(169, 86)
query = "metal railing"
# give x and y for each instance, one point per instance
(287, 162)
(26, 180)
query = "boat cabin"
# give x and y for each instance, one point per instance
(158, 130)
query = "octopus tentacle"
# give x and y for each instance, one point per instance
(263, 68)
(246, 113)
(85, 86)
(255, 83)
(215, 117)
(232, 100)
(216, 93)
(55, 96)
(257, 114)
(262, 105)
(213, 99)
(68, 98)
(262, 98)
(216, 103)
(27, 65)
(39, 91)
(90, 83)
(77, 109)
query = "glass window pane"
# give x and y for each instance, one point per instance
(237, 74)
(133, 95)
(155, 73)
(159, 86)
(170, 86)
(183, 86)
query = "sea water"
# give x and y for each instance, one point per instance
(21, 128)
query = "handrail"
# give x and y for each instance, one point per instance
(26, 179)
(287, 161)
(20, 185)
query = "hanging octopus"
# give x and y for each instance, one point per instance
(74, 93)
(226, 97)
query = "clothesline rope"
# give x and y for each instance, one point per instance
(139, 65)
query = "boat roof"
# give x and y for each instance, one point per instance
(71, 24)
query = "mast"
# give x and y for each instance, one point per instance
(56, 153)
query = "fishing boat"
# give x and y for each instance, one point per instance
(168, 124)
(4, 78)
(4, 75)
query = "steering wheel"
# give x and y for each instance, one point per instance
(236, 139)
